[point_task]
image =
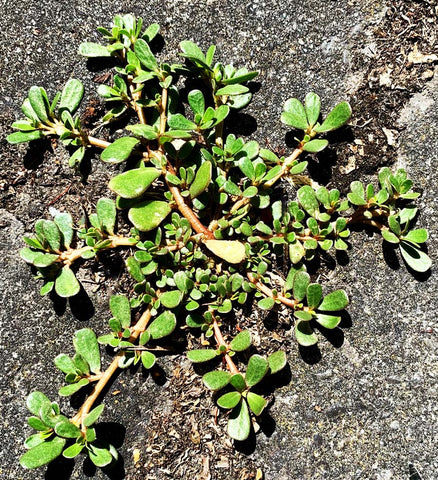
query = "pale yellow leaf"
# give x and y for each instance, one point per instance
(231, 251)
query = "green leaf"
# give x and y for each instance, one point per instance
(85, 343)
(390, 237)
(204, 355)
(301, 282)
(277, 361)
(52, 235)
(92, 50)
(296, 252)
(336, 118)
(241, 342)
(294, 114)
(315, 146)
(44, 259)
(98, 455)
(180, 122)
(234, 89)
(239, 424)
(64, 222)
(93, 415)
(134, 269)
(240, 78)
(148, 360)
(43, 453)
(202, 180)
(334, 301)
(414, 257)
(145, 131)
(216, 380)
(171, 299)
(229, 400)
(231, 251)
(38, 104)
(303, 315)
(34, 440)
(149, 214)
(257, 369)
(238, 382)
(151, 32)
(266, 303)
(121, 309)
(65, 363)
(22, 137)
(191, 50)
(120, 150)
(357, 195)
(417, 236)
(66, 284)
(144, 54)
(67, 430)
(106, 214)
(35, 401)
(77, 157)
(165, 323)
(73, 450)
(133, 183)
(71, 96)
(328, 321)
(196, 102)
(256, 403)
(37, 424)
(308, 200)
(73, 388)
(314, 295)
(304, 334)
(312, 106)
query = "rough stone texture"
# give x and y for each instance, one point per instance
(365, 410)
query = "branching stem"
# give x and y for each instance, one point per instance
(269, 293)
(221, 342)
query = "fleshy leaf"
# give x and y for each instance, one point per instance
(202, 180)
(231, 251)
(35, 401)
(119, 150)
(67, 430)
(414, 257)
(133, 183)
(277, 361)
(65, 363)
(106, 213)
(308, 200)
(163, 325)
(148, 359)
(199, 356)
(300, 284)
(313, 106)
(257, 369)
(336, 118)
(328, 321)
(43, 453)
(315, 146)
(241, 342)
(294, 114)
(92, 50)
(100, 456)
(145, 55)
(66, 284)
(417, 236)
(22, 137)
(256, 403)
(314, 295)
(93, 415)
(171, 299)
(65, 224)
(304, 334)
(85, 343)
(149, 214)
(229, 400)
(334, 301)
(216, 380)
(121, 309)
(239, 424)
(71, 96)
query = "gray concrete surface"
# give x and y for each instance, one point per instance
(368, 408)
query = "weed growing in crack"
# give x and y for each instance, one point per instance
(205, 230)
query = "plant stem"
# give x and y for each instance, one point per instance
(135, 97)
(163, 116)
(269, 293)
(69, 256)
(139, 328)
(221, 342)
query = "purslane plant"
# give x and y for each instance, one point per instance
(206, 228)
